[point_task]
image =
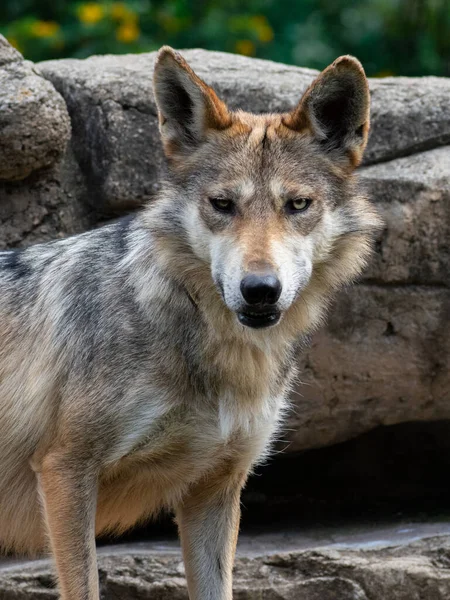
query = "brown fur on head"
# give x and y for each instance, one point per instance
(267, 198)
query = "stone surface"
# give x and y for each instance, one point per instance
(413, 197)
(113, 113)
(34, 123)
(281, 567)
(47, 205)
(383, 358)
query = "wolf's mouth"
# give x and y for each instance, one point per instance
(258, 320)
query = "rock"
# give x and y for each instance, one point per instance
(8, 54)
(408, 115)
(42, 190)
(46, 205)
(34, 123)
(400, 570)
(115, 130)
(413, 197)
(113, 113)
(383, 358)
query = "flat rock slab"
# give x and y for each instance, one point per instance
(34, 122)
(395, 563)
(116, 140)
(384, 358)
(412, 195)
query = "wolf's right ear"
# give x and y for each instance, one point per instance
(335, 111)
(187, 107)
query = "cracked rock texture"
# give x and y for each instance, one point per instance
(34, 123)
(384, 356)
(413, 197)
(41, 186)
(45, 206)
(416, 570)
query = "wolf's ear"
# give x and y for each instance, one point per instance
(335, 109)
(187, 107)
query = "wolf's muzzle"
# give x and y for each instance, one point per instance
(261, 290)
(261, 293)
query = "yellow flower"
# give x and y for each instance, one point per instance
(90, 13)
(128, 32)
(262, 27)
(121, 12)
(44, 29)
(265, 34)
(246, 47)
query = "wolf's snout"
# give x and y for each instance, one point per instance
(261, 289)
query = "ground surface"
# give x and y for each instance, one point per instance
(405, 561)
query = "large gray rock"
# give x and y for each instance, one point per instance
(412, 195)
(42, 190)
(384, 358)
(113, 113)
(370, 570)
(34, 123)
(47, 205)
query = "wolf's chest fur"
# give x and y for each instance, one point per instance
(239, 406)
(177, 449)
(159, 456)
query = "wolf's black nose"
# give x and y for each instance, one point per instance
(260, 289)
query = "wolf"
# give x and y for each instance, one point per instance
(146, 364)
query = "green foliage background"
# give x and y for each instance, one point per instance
(400, 37)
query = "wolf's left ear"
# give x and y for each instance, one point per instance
(187, 107)
(336, 110)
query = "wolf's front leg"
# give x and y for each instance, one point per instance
(69, 492)
(208, 520)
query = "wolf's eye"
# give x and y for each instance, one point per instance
(298, 205)
(223, 205)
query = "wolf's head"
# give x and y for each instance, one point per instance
(264, 208)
